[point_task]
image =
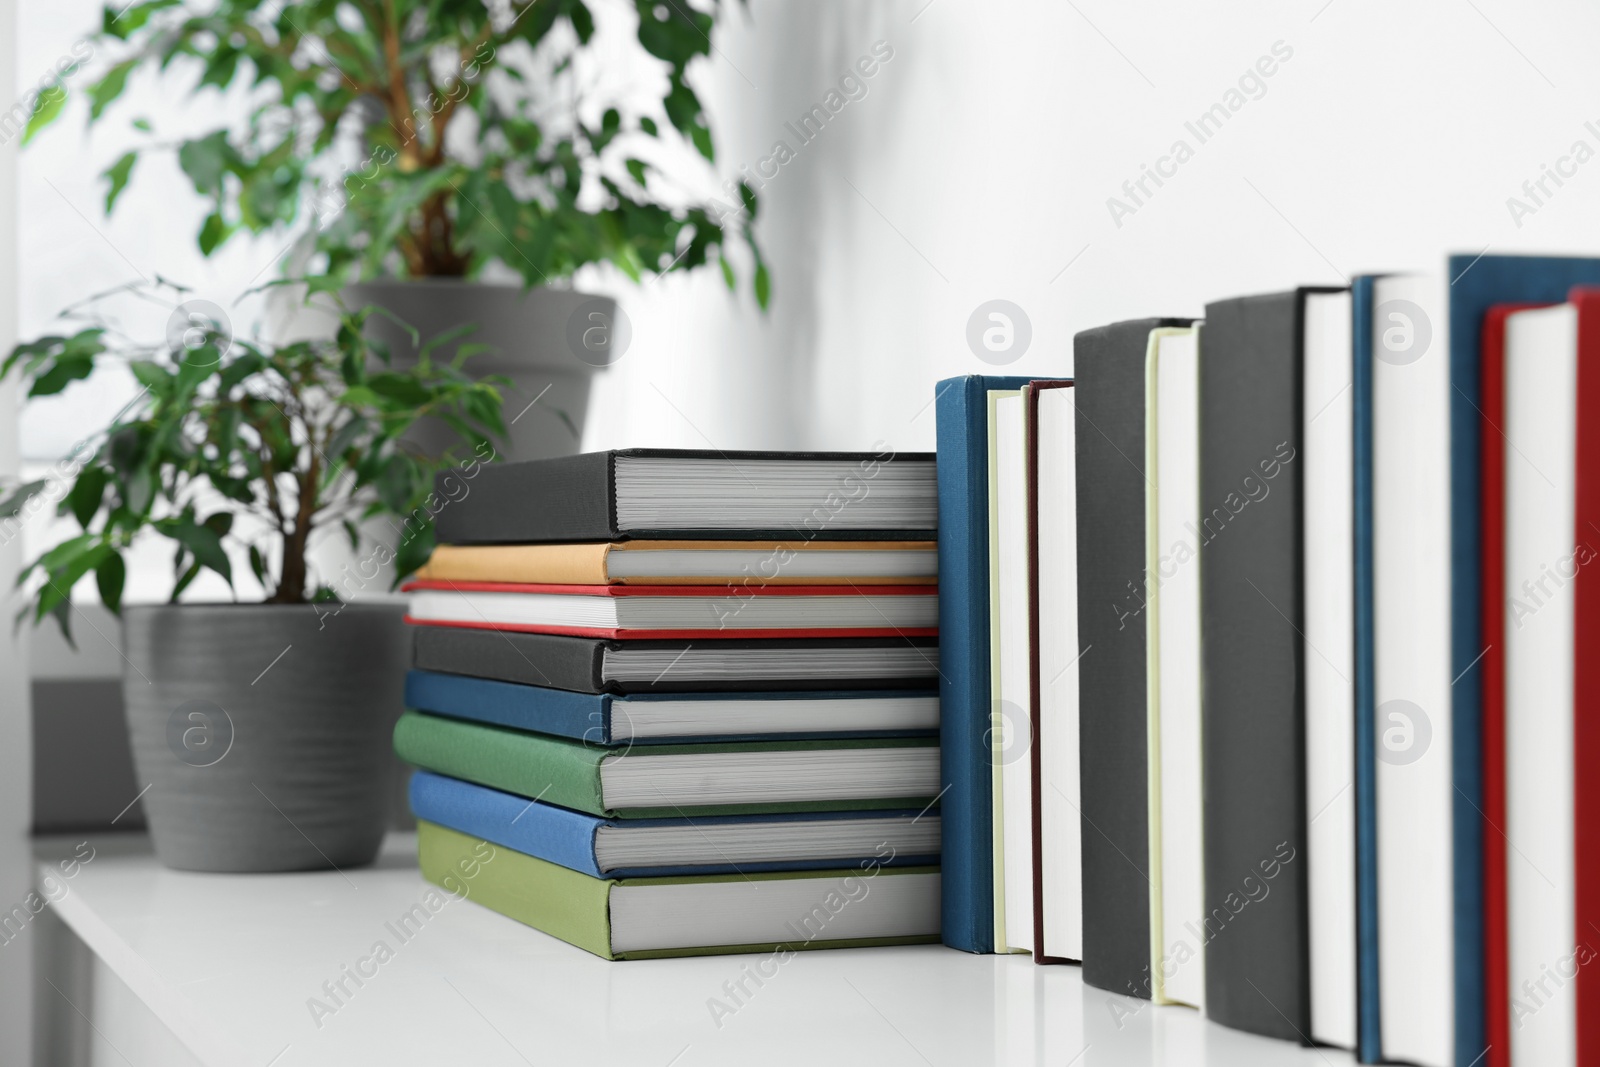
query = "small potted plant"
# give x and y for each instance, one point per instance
(428, 151)
(260, 728)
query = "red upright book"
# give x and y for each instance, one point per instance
(1586, 679)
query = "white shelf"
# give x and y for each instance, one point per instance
(229, 962)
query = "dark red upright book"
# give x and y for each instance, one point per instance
(1586, 677)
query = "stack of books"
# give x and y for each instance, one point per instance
(669, 703)
(1270, 651)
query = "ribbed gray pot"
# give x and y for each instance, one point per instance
(548, 342)
(263, 731)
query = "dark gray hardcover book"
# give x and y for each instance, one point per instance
(1108, 367)
(601, 665)
(1252, 616)
(690, 494)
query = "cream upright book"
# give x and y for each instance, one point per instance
(1056, 651)
(1009, 665)
(1172, 517)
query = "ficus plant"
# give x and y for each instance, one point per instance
(266, 446)
(427, 138)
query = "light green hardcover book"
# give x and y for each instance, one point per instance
(643, 918)
(660, 781)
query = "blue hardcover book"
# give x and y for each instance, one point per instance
(656, 718)
(1476, 283)
(608, 848)
(1369, 1043)
(967, 890)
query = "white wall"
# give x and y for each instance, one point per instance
(984, 154)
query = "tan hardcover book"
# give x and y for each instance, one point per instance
(690, 563)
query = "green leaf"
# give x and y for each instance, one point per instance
(12, 505)
(411, 553)
(205, 161)
(63, 371)
(203, 542)
(124, 21)
(582, 22)
(87, 493)
(117, 175)
(727, 272)
(212, 233)
(141, 490)
(109, 576)
(258, 566)
(108, 88)
(46, 108)
(347, 436)
(183, 581)
(763, 286)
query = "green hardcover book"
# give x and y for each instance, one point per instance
(658, 781)
(644, 918)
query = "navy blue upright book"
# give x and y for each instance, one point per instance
(967, 889)
(606, 719)
(610, 848)
(1476, 283)
(1369, 1044)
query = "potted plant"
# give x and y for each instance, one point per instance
(428, 150)
(261, 728)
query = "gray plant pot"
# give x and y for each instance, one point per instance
(263, 731)
(548, 342)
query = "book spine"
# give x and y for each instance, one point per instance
(965, 807)
(580, 716)
(1030, 403)
(557, 662)
(551, 769)
(1466, 662)
(1369, 1032)
(1111, 480)
(1496, 917)
(1257, 959)
(536, 829)
(1586, 681)
(548, 500)
(546, 896)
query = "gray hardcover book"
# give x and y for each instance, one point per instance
(1108, 366)
(1252, 660)
(684, 493)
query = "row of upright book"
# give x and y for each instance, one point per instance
(1279, 663)
(673, 703)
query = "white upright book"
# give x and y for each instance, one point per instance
(1172, 465)
(1412, 679)
(1011, 681)
(1329, 522)
(1060, 824)
(1541, 435)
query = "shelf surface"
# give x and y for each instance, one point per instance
(232, 964)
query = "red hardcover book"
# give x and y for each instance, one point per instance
(678, 611)
(1497, 965)
(1586, 680)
